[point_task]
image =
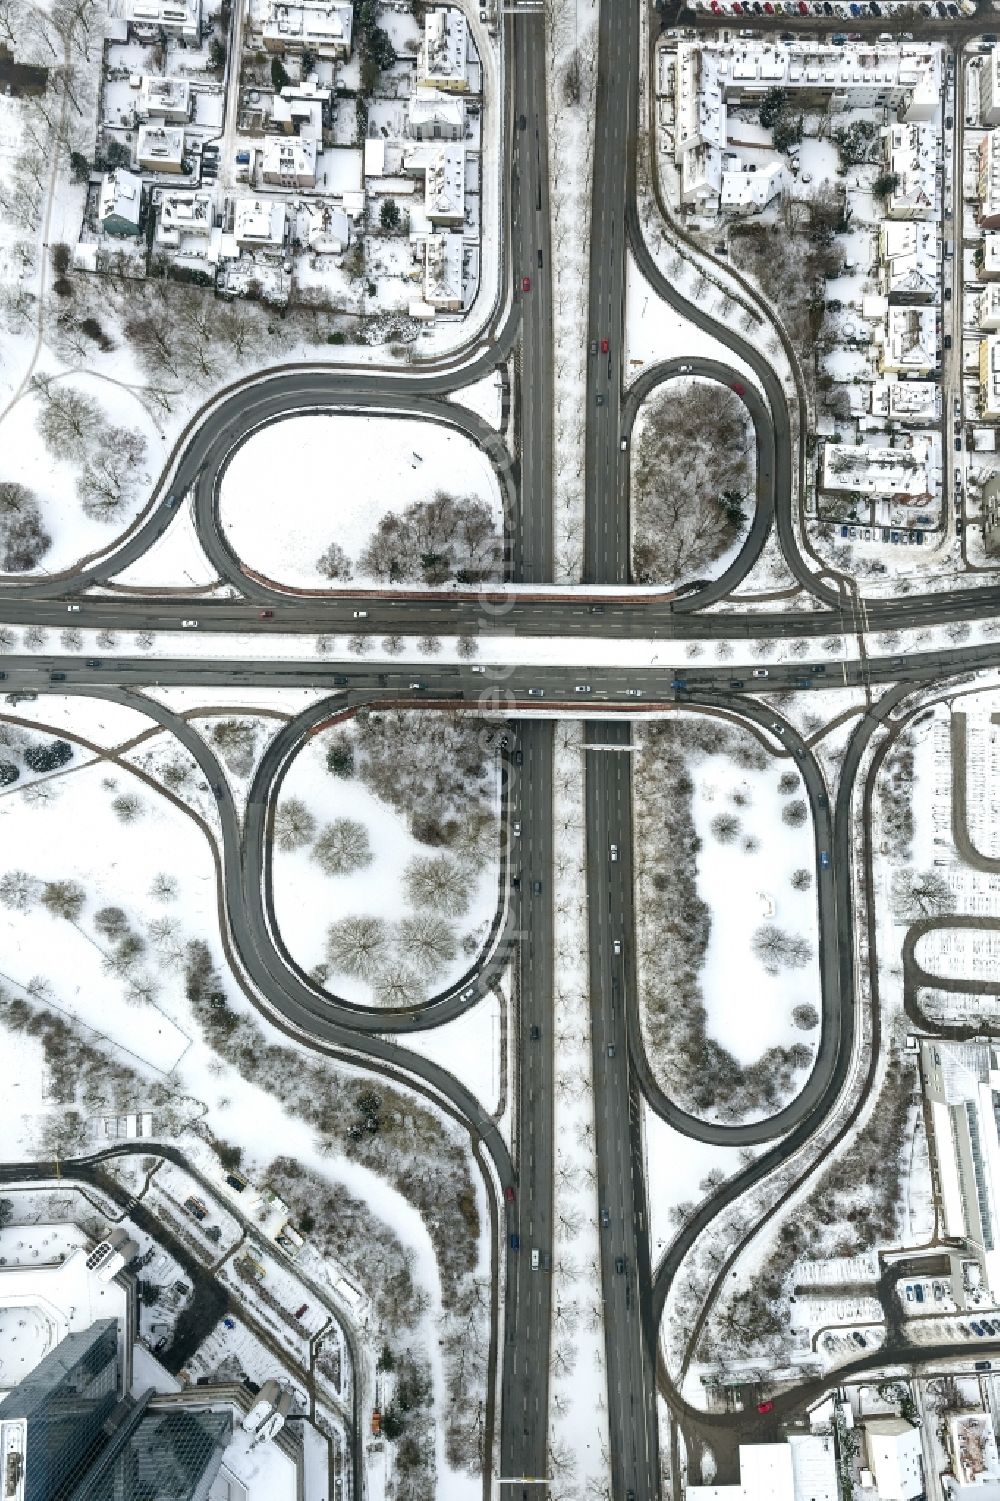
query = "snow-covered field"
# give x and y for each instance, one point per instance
(302, 483)
(749, 883)
(408, 964)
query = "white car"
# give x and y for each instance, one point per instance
(760, 672)
(617, 945)
(478, 669)
(72, 608)
(188, 624)
(361, 614)
(582, 688)
(515, 828)
(614, 852)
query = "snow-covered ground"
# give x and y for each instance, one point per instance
(302, 483)
(747, 883)
(307, 900)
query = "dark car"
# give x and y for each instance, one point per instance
(508, 1193)
(983, 1365)
(620, 1264)
(605, 1219)
(978, 1329)
(519, 758)
(859, 1339)
(339, 681)
(536, 887)
(95, 662)
(57, 677)
(515, 1242)
(522, 121)
(536, 1032)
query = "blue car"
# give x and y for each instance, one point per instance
(515, 1242)
(824, 860)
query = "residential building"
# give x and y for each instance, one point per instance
(989, 180)
(748, 189)
(989, 508)
(176, 18)
(160, 148)
(319, 26)
(53, 1421)
(989, 88)
(184, 214)
(988, 257)
(766, 1474)
(326, 229)
(988, 308)
(710, 75)
(259, 224)
(443, 171)
(989, 386)
(894, 1458)
(901, 474)
(909, 344)
(443, 272)
(298, 110)
(288, 162)
(170, 1453)
(962, 1087)
(973, 1447)
(167, 99)
(908, 257)
(433, 115)
(915, 403)
(441, 63)
(911, 155)
(119, 205)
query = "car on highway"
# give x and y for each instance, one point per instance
(612, 1050)
(536, 887)
(417, 684)
(536, 1032)
(536, 692)
(601, 399)
(267, 614)
(765, 1407)
(633, 692)
(525, 283)
(593, 346)
(624, 444)
(95, 662)
(605, 1219)
(478, 668)
(522, 121)
(536, 1257)
(824, 860)
(173, 499)
(509, 1194)
(360, 614)
(515, 1242)
(604, 346)
(72, 608)
(617, 946)
(188, 625)
(515, 828)
(620, 1265)
(57, 677)
(614, 852)
(760, 672)
(684, 369)
(983, 1365)
(582, 688)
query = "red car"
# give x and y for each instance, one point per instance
(266, 614)
(803, 8)
(765, 1406)
(604, 346)
(525, 283)
(740, 390)
(508, 1193)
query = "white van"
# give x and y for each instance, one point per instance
(534, 1258)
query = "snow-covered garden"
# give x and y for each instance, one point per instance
(386, 855)
(729, 985)
(375, 500)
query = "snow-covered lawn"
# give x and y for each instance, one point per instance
(748, 883)
(303, 483)
(416, 945)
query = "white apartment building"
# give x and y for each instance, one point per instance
(443, 272)
(443, 170)
(167, 99)
(901, 474)
(183, 214)
(288, 162)
(178, 18)
(909, 344)
(433, 115)
(259, 223)
(910, 402)
(989, 391)
(908, 258)
(989, 88)
(988, 257)
(322, 26)
(441, 63)
(895, 1459)
(711, 76)
(989, 180)
(802, 1469)
(160, 148)
(911, 153)
(989, 308)
(748, 189)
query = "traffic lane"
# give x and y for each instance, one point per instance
(620, 1195)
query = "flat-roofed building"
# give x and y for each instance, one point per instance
(895, 1458)
(989, 180)
(288, 162)
(160, 148)
(962, 1088)
(259, 223)
(911, 155)
(989, 88)
(443, 271)
(901, 474)
(989, 384)
(320, 26)
(177, 18)
(166, 99)
(183, 214)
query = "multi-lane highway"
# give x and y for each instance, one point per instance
(522, 940)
